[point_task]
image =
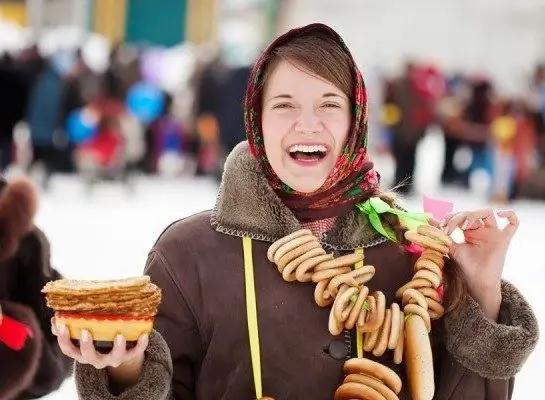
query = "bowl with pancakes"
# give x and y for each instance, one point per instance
(105, 309)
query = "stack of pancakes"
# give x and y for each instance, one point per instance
(105, 308)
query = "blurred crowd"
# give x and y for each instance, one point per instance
(484, 132)
(59, 115)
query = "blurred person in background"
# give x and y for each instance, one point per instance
(416, 113)
(449, 114)
(45, 115)
(305, 165)
(31, 364)
(474, 127)
(12, 104)
(171, 145)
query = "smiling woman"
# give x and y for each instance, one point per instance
(304, 130)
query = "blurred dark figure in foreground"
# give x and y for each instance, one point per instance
(12, 104)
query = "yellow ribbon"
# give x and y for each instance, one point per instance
(251, 315)
(251, 312)
(359, 335)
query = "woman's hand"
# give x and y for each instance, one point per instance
(86, 353)
(124, 366)
(481, 256)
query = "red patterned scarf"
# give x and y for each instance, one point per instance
(352, 180)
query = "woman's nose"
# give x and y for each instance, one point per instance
(308, 123)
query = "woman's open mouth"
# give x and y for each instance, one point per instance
(308, 154)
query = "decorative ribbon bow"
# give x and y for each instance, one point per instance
(13, 334)
(375, 206)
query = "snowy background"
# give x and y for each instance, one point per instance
(108, 234)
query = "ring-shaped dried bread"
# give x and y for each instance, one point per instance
(335, 327)
(424, 263)
(375, 370)
(329, 273)
(435, 309)
(413, 284)
(280, 242)
(356, 391)
(348, 260)
(291, 245)
(366, 315)
(321, 296)
(370, 340)
(381, 310)
(304, 271)
(413, 294)
(297, 252)
(356, 310)
(305, 252)
(343, 305)
(417, 310)
(426, 242)
(379, 386)
(351, 278)
(434, 279)
(394, 330)
(430, 293)
(435, 256)
(398, 351)
(384, 335)
(435, 233)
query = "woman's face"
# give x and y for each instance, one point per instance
(305, 122)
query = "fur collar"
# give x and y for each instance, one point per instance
(247, 206)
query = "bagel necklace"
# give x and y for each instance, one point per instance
(402, 327)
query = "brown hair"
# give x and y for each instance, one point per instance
(320, 55)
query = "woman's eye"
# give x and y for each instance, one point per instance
(331, 105)
(282, 105)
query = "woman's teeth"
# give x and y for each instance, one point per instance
(308, 153)
(302, 148)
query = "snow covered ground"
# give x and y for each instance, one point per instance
(108, 235)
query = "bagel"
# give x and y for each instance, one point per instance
(430, 293)
(375, 370)
(398, 352)
(394, 330)
(435, 256)
(424, 263)
(329, 273)
(384, 336)
(357, 391)
(301, 254)
(304, 271)
(417, 310)
(347, 260)
(291, 245)
(280, 242)
(373, 383)
(426, 242)
(434, 279)
(435, 233)
(413, 284)
(321, 296)
(414, 296)
(356, 310)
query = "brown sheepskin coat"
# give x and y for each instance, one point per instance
(201, 349)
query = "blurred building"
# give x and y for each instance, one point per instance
(502, 38)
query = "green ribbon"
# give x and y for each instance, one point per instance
(375, 206)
